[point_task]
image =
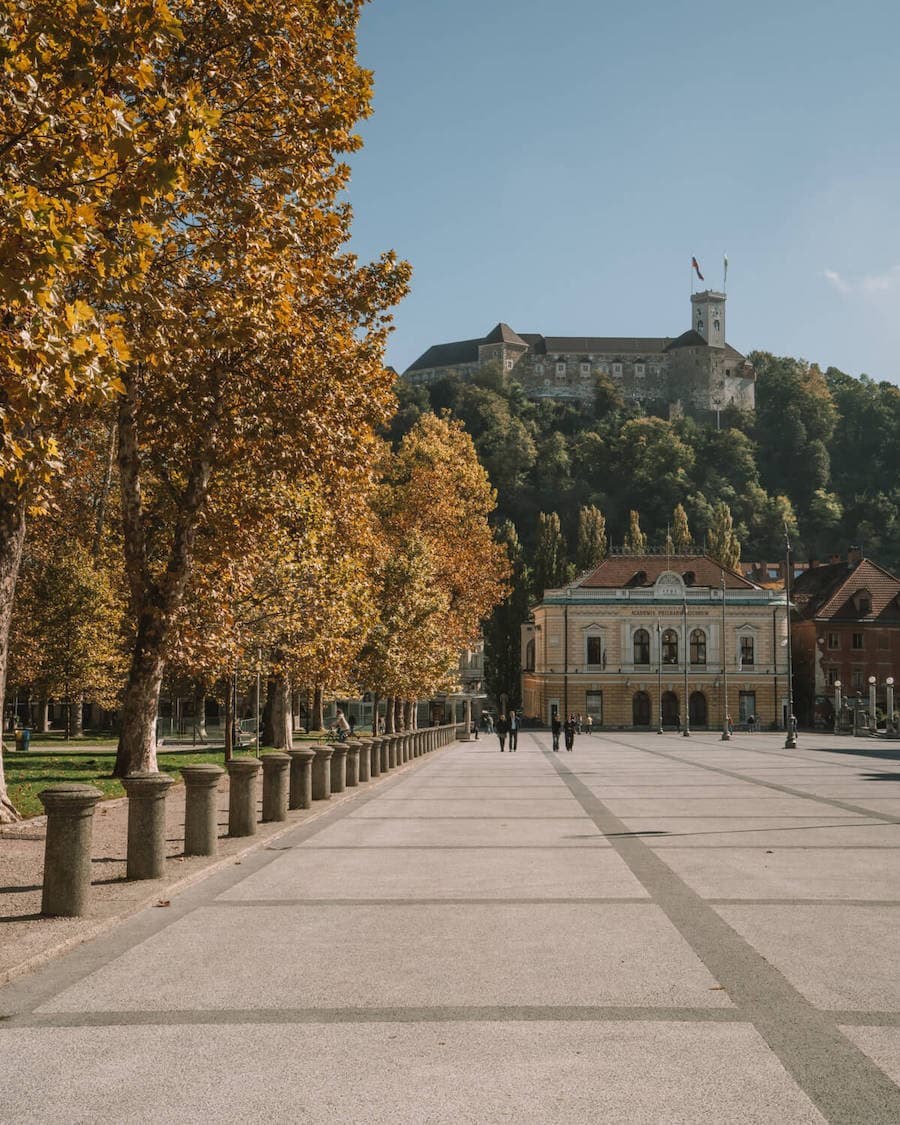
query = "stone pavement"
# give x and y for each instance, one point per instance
(650, 929)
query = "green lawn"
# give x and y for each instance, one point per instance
(28, 774)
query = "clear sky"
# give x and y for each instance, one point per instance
(556, 165)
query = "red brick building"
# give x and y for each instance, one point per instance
(846, 628)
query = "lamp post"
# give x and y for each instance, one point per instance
(726, 734)
(790, 742)
(837, 706)
(659, 726)
(889, 717)
(873, 721)
(686, 731)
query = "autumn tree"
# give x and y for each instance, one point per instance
(258, 339)
(722, 543)
(635, 540)
(550, 565)
(502, 630)
(590, 548)
(682, 541)
(92, 136)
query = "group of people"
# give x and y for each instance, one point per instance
(508, 726)
(568, 729)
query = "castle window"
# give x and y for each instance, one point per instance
(560, 369)
(617, 369)
(585, 369)
(716, 325)
(509, 365)
(539, 369)
(639, 370)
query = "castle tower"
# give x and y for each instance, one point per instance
(708, 316)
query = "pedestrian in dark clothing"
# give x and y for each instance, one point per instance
(569, 731)
(513, 724)
(502, 728)
(556, 730)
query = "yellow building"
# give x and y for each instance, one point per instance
(630, 641)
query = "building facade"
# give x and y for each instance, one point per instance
(846, 630)
(645, 640)
(696, 372)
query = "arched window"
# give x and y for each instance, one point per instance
(670, 647)
(698, 647)
(529, 656)
(641, 646)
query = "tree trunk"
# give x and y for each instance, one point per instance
(318, 717)
(103, 498)
(137, 739)
(286, 719)
(44, 716)
(376, 703)
(200, 710)
(229, 720)
(389, 727)
(407, 715)
(12, 536)
(76, 716)
(398, 714)
(267, 735)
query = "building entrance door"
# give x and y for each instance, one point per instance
(640, 709)
(669, 709)
(698, 712)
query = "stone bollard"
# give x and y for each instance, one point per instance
(375, 763)
(393, 751)
(403, 752)
(300, 796)
(146, 824)
(201, 822)
(339, 767)
(321, 774)
(365, 759)
(276, 784)
(243, 774)
(417, 744)
(384, 752)
(353, 752)
(67, 849)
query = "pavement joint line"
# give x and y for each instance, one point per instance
(855, 902)
(841, 1081)
(437, 1014)
(469, 900)
(861, 810)
(41, 974)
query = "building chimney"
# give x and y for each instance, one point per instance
(835, 559)
(854, 555)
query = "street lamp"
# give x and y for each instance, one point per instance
(659, 727)
(873, 721)
(889, 717)
(726, 734)
(790, 742)
(837, 706)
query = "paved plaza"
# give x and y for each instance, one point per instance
(649, 929)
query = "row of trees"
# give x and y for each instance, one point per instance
(190, 353)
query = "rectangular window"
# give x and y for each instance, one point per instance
(594, 706)
(585, 369)
(560, 369)
(746, 705)
(856, 678)
(560, 375)
(832, 676)
(772, 571)
(639, 370)
(539, 369)
(857, 641)
(595, 650)
(747, 650)
(834, 640)
(617, 369)
(509, 365)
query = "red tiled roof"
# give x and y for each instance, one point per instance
(643, 570)
(836, 601)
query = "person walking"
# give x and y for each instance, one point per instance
(589, 724)
(501, 727)
(569, 729)
(556, 730)
(513, 732)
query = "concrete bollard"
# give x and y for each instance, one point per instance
(393, 748)
(384, 752)
(403, 753)
(67, 849)
(243, 774)
(321, 774)
(300, 795)
(365, 760)
(201, 822)
(276, 785)
(146, 824)
(353, 753)
(375, 763)
(339, 767)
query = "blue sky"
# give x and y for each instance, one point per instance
(556, 165)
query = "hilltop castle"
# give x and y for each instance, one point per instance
(696, 372)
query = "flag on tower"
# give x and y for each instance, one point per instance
(725, 271)
(696, 266)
